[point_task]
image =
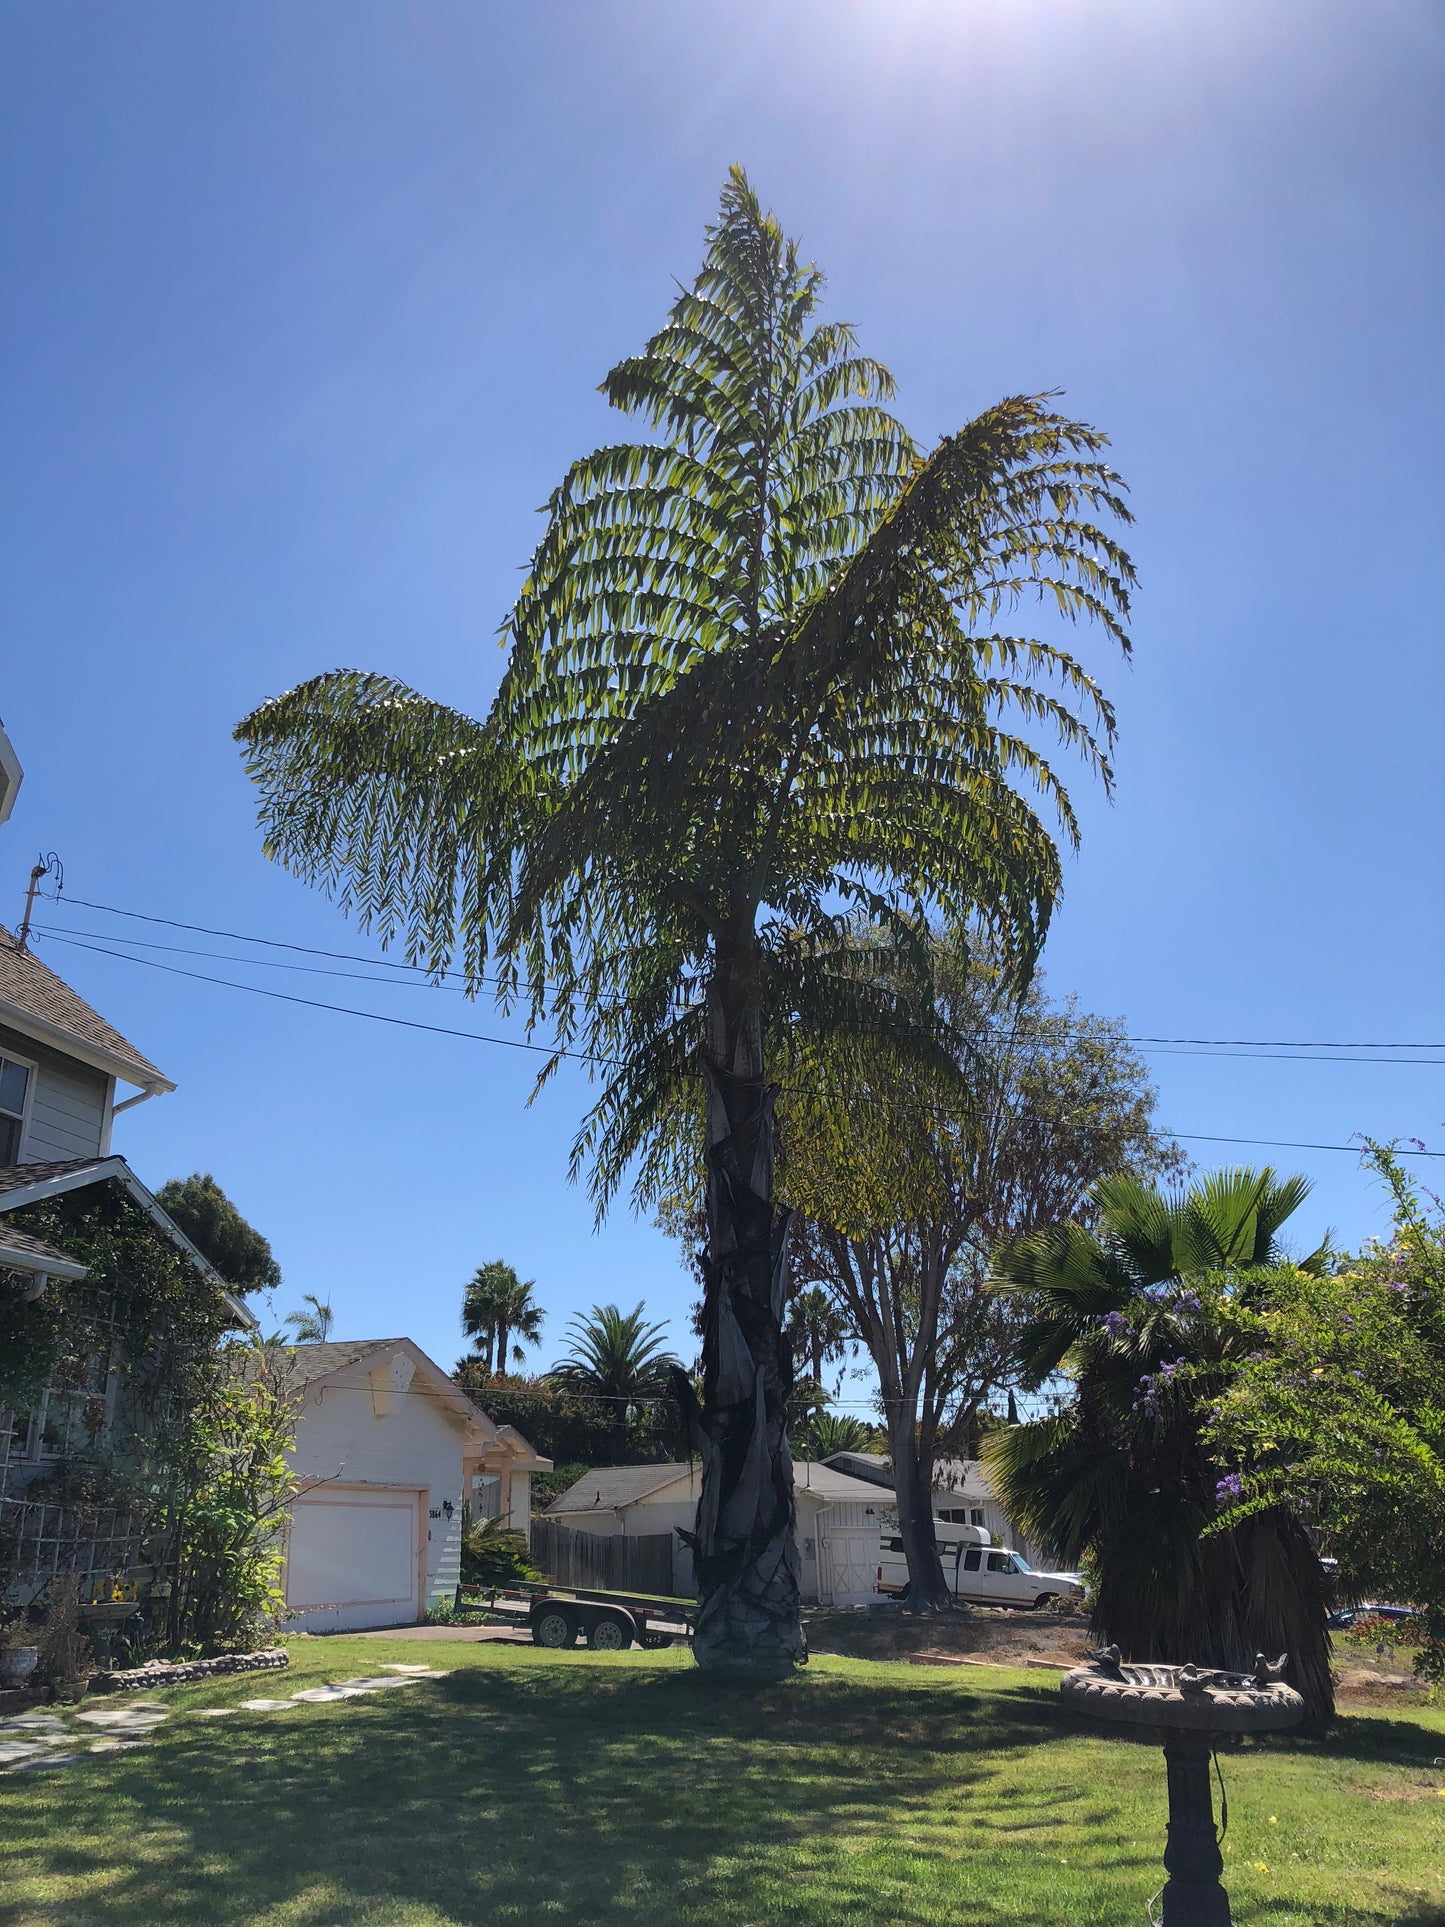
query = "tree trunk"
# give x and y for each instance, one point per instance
(744, 1546)
(927, 1588)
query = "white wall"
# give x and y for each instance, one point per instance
(417, 1441)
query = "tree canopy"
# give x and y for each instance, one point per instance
(762, 673)
(202, 1210)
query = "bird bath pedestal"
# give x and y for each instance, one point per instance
(1189, 1708)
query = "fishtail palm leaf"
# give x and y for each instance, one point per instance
(762, 669)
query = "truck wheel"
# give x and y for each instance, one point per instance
(554, 1628)
(1044, 1601)
(609, 1634)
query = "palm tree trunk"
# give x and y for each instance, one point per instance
(744, 1547)
(503, 1334)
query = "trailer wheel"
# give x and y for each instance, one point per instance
(609, 1633)
(554, 1628)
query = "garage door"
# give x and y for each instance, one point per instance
(353, 1559)
(849, 1544)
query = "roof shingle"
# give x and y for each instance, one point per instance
(30, 989)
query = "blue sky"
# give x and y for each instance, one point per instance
(304, 315)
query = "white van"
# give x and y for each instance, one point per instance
(978, 1571)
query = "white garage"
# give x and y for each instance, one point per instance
(387, 1447)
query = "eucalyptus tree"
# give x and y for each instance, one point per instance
(903, 1196)
(759, 675)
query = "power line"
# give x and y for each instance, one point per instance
(547, 1050)
(343, 1010)
(415, 971)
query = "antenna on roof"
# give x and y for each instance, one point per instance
(47, 864)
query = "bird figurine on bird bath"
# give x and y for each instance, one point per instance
(1189, 1707)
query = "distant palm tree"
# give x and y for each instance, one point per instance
(817, 1329)
(616, 1356)
(1140, 1315)
(312, 1326)
(830, 1432)
(499, 1308)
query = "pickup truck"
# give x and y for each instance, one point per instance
(980, 1572)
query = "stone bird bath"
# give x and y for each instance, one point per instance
(1188, 1707)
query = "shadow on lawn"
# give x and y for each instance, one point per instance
(580, 1794)
(534, 1794)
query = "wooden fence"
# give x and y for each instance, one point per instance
(601, 1562)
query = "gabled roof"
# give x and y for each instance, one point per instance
(611, 1486)
(313, 1365)
(22, 1184)
(24, 1253)
(34, 1001)
(11, 775)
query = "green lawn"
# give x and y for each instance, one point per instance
(585, 1788)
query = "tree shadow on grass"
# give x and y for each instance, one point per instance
(588, 1794)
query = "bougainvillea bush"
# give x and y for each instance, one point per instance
(1339, 1410)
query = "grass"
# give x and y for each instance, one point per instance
(597, 1788)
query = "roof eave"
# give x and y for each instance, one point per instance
(129, 1069)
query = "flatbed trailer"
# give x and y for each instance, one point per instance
(609, 1621)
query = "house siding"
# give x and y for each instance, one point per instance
(69, 1103)
(352, 1436)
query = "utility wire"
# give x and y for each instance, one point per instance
(415, 971)
(586, 1057)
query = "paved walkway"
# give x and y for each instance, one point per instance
(46, 1740)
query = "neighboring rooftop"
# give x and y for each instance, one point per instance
(11, 775)
(613, 1485)
(609, 1487)
(319, 1361)
(34, 1001)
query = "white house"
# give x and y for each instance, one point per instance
(387, 1449)
(839, 1521)
(962, 1493)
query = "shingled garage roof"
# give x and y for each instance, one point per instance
(34, 1001)
(613, 1485)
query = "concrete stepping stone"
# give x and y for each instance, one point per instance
(217, 1712)
(127, 1719)
(43, 1763)
(266, 1706)
(116, 1746)
(396, 1667)
(12, 1752)
(321, 1695)
(34, 1723)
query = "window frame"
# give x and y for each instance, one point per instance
(31, 1068)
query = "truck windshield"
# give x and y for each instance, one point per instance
(1022, 1563)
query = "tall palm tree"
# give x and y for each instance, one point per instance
(498, 1307)
(816, 1328)
(1142, 1315)
(617, 1356)
(756, 673)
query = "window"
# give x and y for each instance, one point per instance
(893, 1545)
(970, 1559)
(999, 1562)
(975, 1516)
(14, 1086)
(69, 1418)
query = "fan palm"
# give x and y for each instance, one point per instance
(757, 680)
(1139, 1314)
(499, 1308)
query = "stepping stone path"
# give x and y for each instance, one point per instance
(33, 1742)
